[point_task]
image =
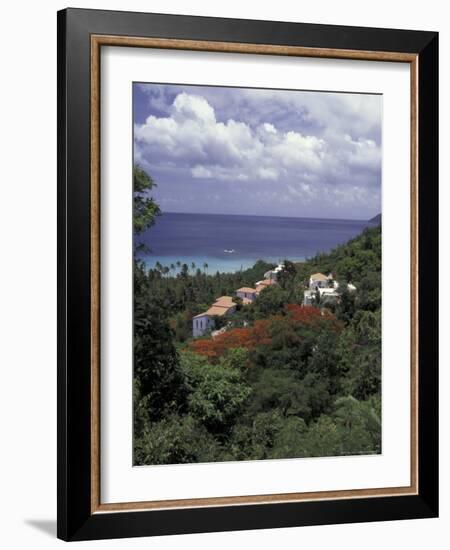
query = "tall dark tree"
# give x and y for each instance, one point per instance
(287, 275)
(145, 208)
(159, 382)
(160, 379)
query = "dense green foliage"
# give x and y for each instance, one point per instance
(145, 208)
(282, 381)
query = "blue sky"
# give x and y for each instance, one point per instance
(260, 152)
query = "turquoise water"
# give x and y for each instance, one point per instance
(224, 265)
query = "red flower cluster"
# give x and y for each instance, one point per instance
(305, 314)
(310, 315)
(259, 333)
(248, 338)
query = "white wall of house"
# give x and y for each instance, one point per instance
(317, 283)
(329, 295)
(308, 298)
(201, 325)
(248, 295)
(272, 273)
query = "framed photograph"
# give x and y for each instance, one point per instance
(248, 293)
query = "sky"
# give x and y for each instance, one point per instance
(263, 152)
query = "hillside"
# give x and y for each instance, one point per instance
(284, 380)
(375, 219)
(355, 261)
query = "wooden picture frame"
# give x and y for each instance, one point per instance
(81, 35)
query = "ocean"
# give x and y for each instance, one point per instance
(229, 243)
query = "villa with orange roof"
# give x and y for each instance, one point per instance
(225, 306)
(265, 283)
(203, 322)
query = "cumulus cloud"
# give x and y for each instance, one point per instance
(314, 146)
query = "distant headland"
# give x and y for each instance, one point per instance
(375, 219)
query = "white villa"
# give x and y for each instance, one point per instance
(273, 273)
(319, 280)
(203, 322)
(326, 286)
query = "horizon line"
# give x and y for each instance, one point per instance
(271, 216)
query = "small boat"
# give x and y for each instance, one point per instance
(229, 251)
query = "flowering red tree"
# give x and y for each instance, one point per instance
(262, 331)
(304, 314)
(310, 316)
(248, 338)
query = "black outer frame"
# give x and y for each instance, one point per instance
(75, 521)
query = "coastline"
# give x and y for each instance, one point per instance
(232, 264)
(231, 243)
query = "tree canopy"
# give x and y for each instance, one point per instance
(283, 380)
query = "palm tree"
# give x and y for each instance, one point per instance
(193, 266)
(184, 271)
(172, 267)
(205, 267)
